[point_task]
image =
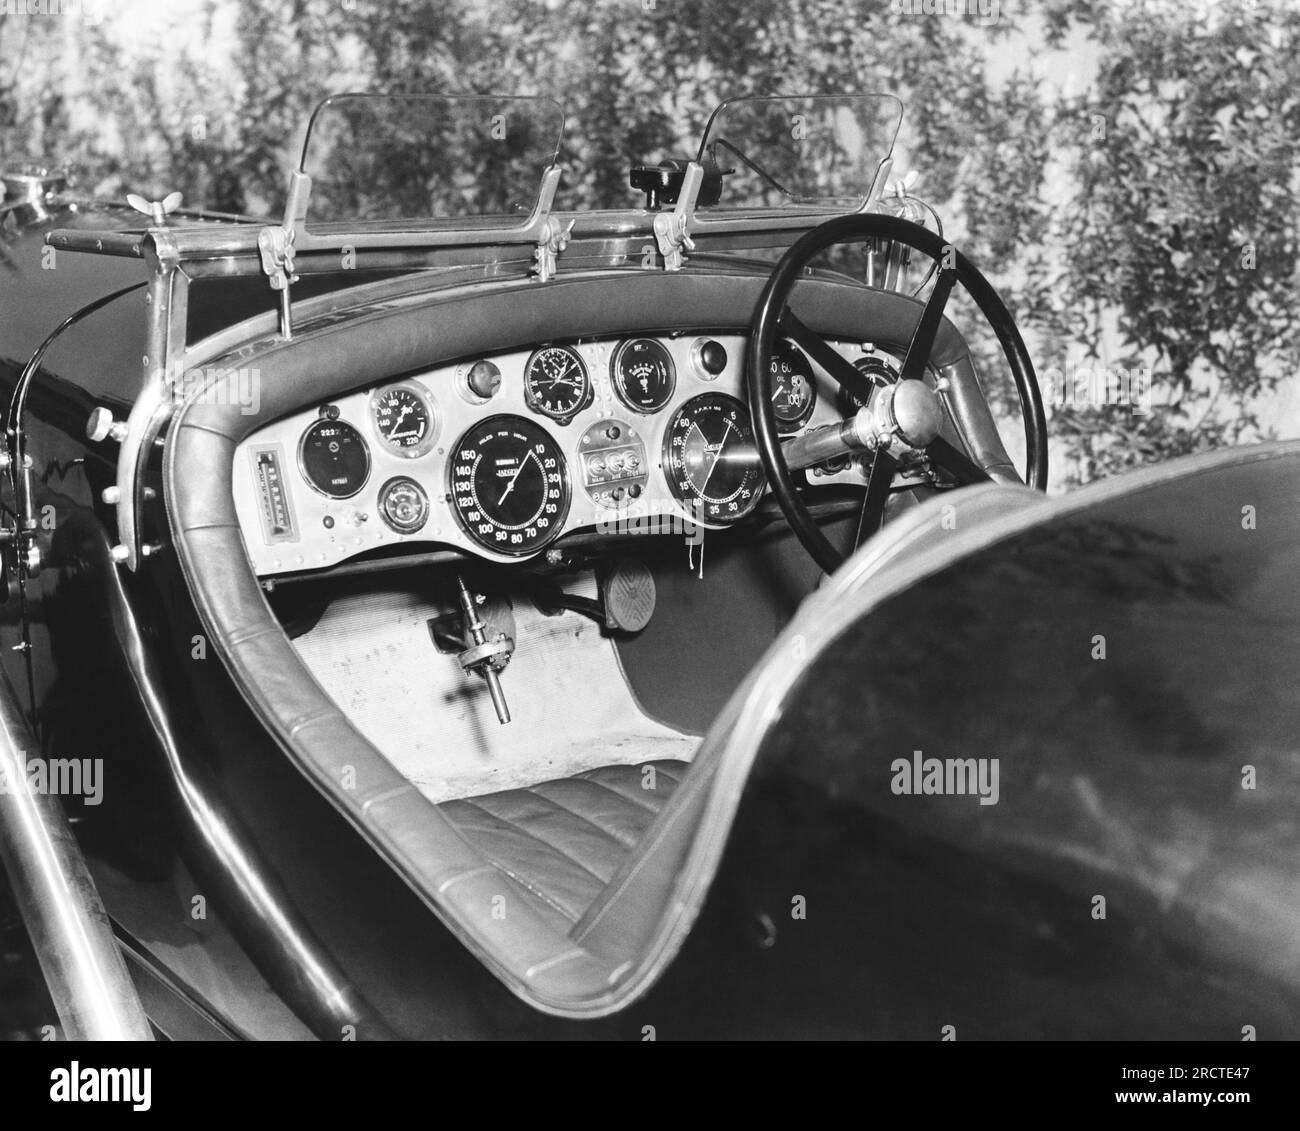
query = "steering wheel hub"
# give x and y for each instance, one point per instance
(910, 410)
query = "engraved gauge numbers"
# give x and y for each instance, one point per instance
(710, 460)
(508, 484)
(404, 419)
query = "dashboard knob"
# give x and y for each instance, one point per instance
(710, 356)
(101, 426)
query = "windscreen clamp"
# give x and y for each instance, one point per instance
(275, 247)
(673, 229)
(555, 239)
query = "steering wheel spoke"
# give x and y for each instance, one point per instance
(815, 346)
(927, 327)
(960, 466)
(872, 513)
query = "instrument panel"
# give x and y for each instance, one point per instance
(500, 455)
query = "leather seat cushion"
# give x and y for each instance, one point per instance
(563, 840)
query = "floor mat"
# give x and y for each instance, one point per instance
(571, 707)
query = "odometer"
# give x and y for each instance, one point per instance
(509, 485)
(643, 375)
(710, 460)
(334, 458)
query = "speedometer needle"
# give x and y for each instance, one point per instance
(716, 456)
(514, 478)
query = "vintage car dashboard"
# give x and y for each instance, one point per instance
(502, 454)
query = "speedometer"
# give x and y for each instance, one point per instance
(509, 485)
(710, 460)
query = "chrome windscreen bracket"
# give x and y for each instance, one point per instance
(553, 237)
(673, 229)
(877, 189)
(275, 248)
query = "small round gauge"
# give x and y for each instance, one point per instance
(404, 419)
(403, 505)
(643, 374)
(793, 394)
(334, 458)
(710, 460)
(556, 383)
(878, 369)
(509, 485)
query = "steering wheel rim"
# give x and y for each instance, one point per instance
(772, 311)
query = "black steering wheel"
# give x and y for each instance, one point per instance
(902, 420)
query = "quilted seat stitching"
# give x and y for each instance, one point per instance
(606, 833)
(528, 885)
(651, 809)
(532, 836)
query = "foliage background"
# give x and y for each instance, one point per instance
(1126, 172)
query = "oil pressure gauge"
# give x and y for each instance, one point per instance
(794, 396)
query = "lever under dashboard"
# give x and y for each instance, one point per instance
(485, 657)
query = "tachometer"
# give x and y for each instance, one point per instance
(556, 383)
(793, 396)
(334, 458)
(710, 460)
(643, 374)
(509, 485)
(404, 419)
